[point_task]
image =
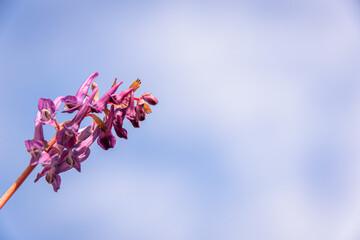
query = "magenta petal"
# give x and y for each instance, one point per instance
(131, 113)
(28, 145)
(73, 109)
(46, 104)
(81, 158)
(44, 158)
(150, 99)
(83, 111)
(100, 105)
(66, 137)
(74, 103)
(56, 182)
(135, 122)
(120, 132)
(68, 157)
(42, 173)
(83, 90)
(106, 142)
(81, 147)
(118, 98)
(85, 132)
(38, 134)
(77, 165)
(84, 156)
(119, 116)
(71, 103)
(36, 149)
(57, 103)
(140, 112)
(32, 145)
(47, 111)
(62, 167)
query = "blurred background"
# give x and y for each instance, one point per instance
(256, 135)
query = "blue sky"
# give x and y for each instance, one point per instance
(255, 137)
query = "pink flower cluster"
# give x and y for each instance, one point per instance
(71, 145)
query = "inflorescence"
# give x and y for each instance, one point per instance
(71, 146)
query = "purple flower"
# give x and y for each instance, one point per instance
(119, 116)
(71, 146)
(37, 150)
(48, 110)
(150, 98)
(75, 102)
(36, 147)
(85, 132)
(139, 109)
(106, 139)
(101, 104)
(81, 151)
(39, 133)
(131, 112)
(52, 170)
(84, 144)
(74, 160)
(118, 98)
(67, 136)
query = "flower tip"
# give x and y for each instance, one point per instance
(135, 85)
(147, 108)
(152, 100)
(115, 81)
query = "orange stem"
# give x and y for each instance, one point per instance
(57, 125)
(22, 178)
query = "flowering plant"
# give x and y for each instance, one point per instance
(70, 146)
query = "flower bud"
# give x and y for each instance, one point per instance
(150, 98)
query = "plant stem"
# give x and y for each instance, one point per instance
(22, 177)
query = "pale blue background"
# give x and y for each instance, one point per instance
(256, 135)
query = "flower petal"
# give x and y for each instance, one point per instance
(71, 102)
(39, 133)
(83, 111)
(44, 158)
(84, 156)
(85, 132)
(83, 90)
(150, 98)
(120, 131)
(81, 147)
(106, 139)
(131, 113)
(118, 98)
(42, 173)
(140, 112)
(106, 142)
(100, 105)
(57, 103)
(56, 182)
(66, 137)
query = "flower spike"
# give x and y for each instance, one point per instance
(70, 146)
